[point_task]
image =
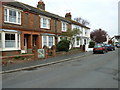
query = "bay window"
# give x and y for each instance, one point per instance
(9, 40)
(48, 41)
(12, 16)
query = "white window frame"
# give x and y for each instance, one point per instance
(77, 41)
(64, 28)
(44, 42)
(47, 26)
(10, 40)
(16, 42)
(50, 42)
(1, 41)
(8, 17)
(47, 40)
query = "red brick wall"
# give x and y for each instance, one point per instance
(31, 22)
(10, 53)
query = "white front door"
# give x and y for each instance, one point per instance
(25, 44)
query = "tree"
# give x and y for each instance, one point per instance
(70, 34)
(82, 21)
(98, 36)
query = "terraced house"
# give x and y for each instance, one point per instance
(24, 27)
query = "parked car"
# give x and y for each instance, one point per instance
(118, 45)
(99, 49)
(110, 47)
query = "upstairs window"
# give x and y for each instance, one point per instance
(12, 16)
(45, 23)
(64, 26)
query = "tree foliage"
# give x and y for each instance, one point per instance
(98, 36)
(70, 34)
(82, 21)
(63, 45)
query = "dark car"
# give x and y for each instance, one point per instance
(118, 45)
(110, 47)
(99, 49)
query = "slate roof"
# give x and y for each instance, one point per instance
(31, 9)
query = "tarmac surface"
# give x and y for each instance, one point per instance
(90, 71)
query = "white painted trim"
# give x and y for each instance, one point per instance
(47, 40)
(3, 42)
(48, 23)
(12, 8)
(8, 21)
(65, 26)
(41, 16)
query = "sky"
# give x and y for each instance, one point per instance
(100, 13)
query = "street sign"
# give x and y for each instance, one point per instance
(41, 53)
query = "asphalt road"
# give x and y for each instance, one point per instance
(94, 71)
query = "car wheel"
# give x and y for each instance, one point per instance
(103, 52)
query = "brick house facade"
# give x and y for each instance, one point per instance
(24, 27)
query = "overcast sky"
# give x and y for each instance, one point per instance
(100, 13)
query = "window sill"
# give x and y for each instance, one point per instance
(45, 28)
(9, 49)
(12, 23)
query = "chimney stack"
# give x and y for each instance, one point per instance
(68, 15)
(41, 5)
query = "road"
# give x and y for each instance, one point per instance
(94, 71)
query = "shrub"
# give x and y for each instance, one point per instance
(91, 44)
(63, 45)
(16, 57)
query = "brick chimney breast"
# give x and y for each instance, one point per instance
(41, 5)
(68, 15)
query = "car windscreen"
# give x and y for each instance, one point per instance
(107, 45)
(97, 46)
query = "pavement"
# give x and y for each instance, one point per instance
(40, 63)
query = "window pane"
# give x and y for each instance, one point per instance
(9, 40)
(7, 36)
(18, 40)
(0, 41)
(44, 22)
(44, 40)
(10, 12)
(14, 13)
(19, 17)
(50, 41)
(5, 14)
(77, 41)
(12, 16)
(48, 23)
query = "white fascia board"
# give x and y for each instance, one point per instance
(7, 7)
